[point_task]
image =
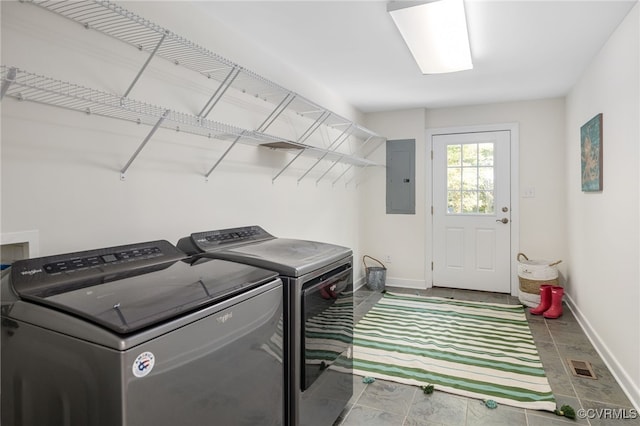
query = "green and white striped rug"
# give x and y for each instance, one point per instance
(478, 350)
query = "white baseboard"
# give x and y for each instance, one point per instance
(631, 389)
(406, 283)
(393, 282)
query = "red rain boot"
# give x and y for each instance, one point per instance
(545, 300)
(556, 303)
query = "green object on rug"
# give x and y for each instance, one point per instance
(368, 380)
(566, 411)
(427, 390)
(478, 350)
(490, 403)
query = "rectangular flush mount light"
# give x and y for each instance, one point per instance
(436, 34)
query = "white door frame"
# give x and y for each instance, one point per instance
(514, 128)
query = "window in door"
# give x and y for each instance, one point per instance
(470, 179)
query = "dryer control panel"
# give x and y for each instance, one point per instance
(202, 242)
(49, 275)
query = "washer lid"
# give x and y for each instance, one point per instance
(126, 294)
(288, 257)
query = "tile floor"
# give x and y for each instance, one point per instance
(384, 403)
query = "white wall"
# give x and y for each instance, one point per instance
(406, 238)
(541, 166)
(603, 228)
(60, 169)
(400, 236)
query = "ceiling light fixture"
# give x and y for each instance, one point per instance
(436, 34)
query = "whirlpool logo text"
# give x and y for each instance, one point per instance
(223, 318)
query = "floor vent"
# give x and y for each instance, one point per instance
(582, 369)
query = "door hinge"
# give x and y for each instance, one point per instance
(431, 210)
(432, 266)
(432, 154)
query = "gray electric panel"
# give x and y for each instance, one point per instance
(401, 173)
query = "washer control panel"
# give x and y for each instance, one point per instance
(123, 256)
(55, 274)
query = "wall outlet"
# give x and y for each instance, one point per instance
(387, 258)
(529, 192)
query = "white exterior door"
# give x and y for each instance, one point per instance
(472, 211)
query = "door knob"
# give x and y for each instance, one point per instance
(503, 220)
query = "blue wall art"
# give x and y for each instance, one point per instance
(591, 154)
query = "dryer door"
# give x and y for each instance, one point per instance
(327, 332)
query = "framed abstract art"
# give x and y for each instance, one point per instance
(591, 154)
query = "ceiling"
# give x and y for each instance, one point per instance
(521, 49)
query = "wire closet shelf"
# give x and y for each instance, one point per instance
(25, 86)
(134, 30)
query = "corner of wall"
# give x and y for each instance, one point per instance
(603, 268)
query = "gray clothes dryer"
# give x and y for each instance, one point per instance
(318, 316)
(141, 335)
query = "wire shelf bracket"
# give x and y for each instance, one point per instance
(342, 138)
(123, 172)
(8, 81)
(220, 91)
(279, 109)
(146, 64)
(224, 154)
(316, 124)
(341, 174)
